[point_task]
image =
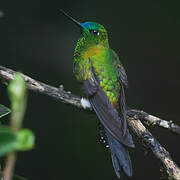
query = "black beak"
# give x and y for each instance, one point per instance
(71, 18)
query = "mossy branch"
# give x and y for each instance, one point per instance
(134, 118)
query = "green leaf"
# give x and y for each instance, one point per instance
(7, 140)
(16, 177)
(4, 111)
(25, 140)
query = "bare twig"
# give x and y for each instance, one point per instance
(160, 152)
(149, 119)
(7, 74)
(133, 117)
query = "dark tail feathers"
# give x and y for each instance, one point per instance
(120, 156)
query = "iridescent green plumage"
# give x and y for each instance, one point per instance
(103, 77)
(94, 51)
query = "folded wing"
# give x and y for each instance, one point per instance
(105, 111)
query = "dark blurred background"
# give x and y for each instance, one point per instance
(39, 42)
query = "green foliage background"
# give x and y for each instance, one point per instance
(37, 41)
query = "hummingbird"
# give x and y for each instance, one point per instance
(98, 68)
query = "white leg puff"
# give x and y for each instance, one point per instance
(85, 103)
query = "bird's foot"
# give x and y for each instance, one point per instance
(136, 114)
(102, 136)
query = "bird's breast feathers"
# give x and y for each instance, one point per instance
(93, 51)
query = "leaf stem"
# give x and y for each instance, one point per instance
(9, 168)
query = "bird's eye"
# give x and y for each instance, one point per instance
(94, 32)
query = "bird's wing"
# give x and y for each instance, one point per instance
(123, 84)
(122, 75)
(117, 64)
(105, 111)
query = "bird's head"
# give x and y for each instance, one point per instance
(91, 32)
